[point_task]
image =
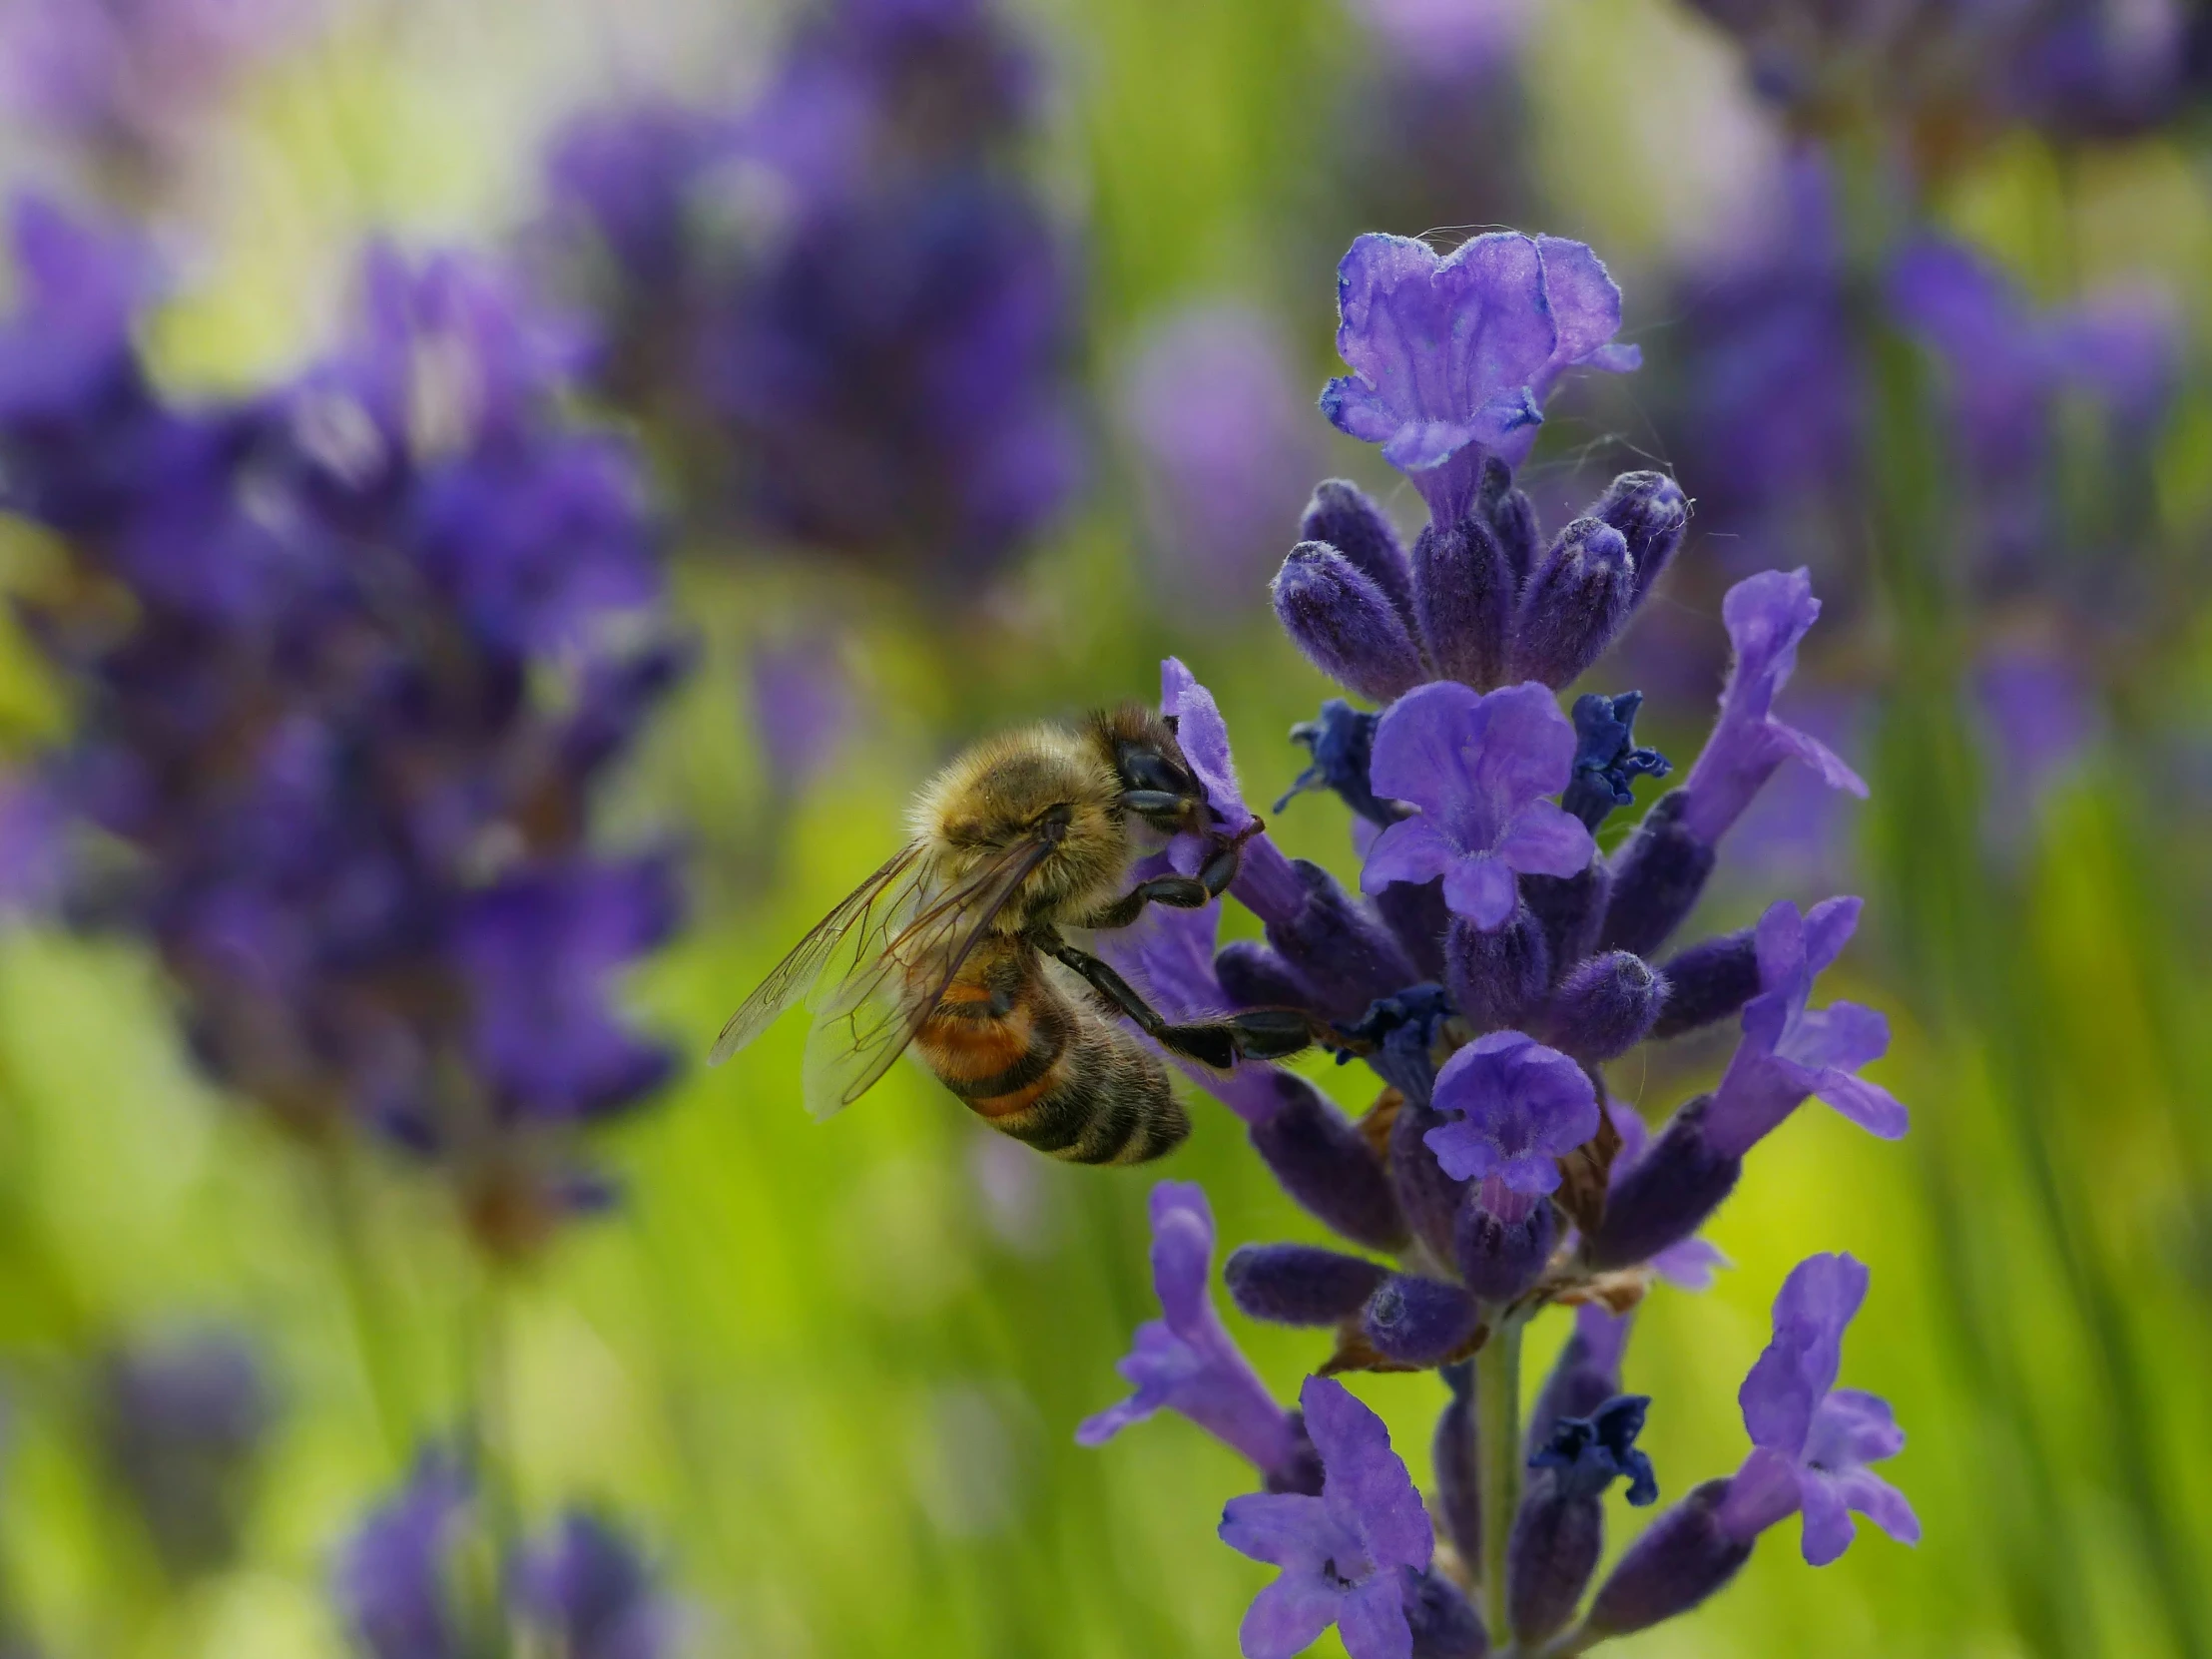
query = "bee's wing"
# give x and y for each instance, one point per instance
(867, 908)
(874, 1012)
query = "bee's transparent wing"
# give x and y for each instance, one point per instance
(901, 972)
(867, 908)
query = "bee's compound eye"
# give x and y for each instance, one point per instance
(1148, 769)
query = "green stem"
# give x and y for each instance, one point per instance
(340, 1205)
(1498, 1462)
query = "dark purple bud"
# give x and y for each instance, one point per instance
(1430, 1198)
(1339, 947)
(1681, 1559)
(1341, 515)
(1290, 1284)
(1417, 914)
(1570, 910)
(1253, 977)
(1657, 879)
(1607, 756)
(1708, 982)
(1342, 742)
(1399, 1035)
(1418, 1321)
(1445, 1623)
(1327, 1165)
(1651, 512)
(1511, 519)
(1501, 1250)
(1559, 1529)
(1346, 624)
(1573, 605)
(1586, 1375)
(1605, 1007)
(1457, 1465)
(1298, 1471)
(1667, 1194)
(1498, 978)
(1464, 600)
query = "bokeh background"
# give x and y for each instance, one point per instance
(965, 354)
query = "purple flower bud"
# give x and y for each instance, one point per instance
(1430, 1198)
(1498, 978)
(590, 1597)
(1586, 1375)
(1604, 1007)
(1577, 600)
(1339, 947)
(1650, 511)
(1502, 1241)
(1682, 1558)
(1464, 598)
(1445, 1623)
(1253, 977)
(1453, 1454)
(1420, 917)
(1418, 1321)
(1342, 516)
(1293, 1284)
(1708, 982)
(1346, 624)
(1512, 518)
(1569, 910)
(1657, 879)
(1667, 1195)
(1327, 1165)
(1559, 1529)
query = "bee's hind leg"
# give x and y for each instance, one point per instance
(1252, 1034)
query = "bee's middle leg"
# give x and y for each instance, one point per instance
(1251, 1034)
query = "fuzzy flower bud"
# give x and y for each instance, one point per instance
(1290, 1284)
(1574, 604)
(1346, 624)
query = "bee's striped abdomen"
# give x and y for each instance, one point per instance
(1041, 1067)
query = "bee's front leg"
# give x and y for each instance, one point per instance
(1225, 857)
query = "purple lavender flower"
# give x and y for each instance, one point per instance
(1452, 357)
(392, 623)
(1186, 1360)
(1517, 1109)
(181, 1421)
(1346, 1555)
(1689, 1264)
(804, 708)
(1812, 1441)
(1449, 41)
(591, 1595)
(1790, 1050)
(1211, 409)
(394, 1575)
(2037, 716)
(1766, 615)
(1478, 767)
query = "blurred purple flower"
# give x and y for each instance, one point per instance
(1346, 1555)
(1186, 1360)
(2037, 717)
(1478, 766)
(1791, 1050)
(1516, 1108)
(181, 1421)
(1448, 40)
(1812, 1441)
(591, 1595)
(804, 709)
(394, 1573)
(1211, 404)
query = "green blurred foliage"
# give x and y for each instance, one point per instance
(831, 1372)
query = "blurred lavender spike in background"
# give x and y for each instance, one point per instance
(1211, 406)
(587, 1590)
(182, 1421)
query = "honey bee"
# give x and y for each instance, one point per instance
(954, 945)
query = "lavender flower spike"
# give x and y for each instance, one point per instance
(1478, 767)
(1187, 1361)
(1788, 1049)
(1812, 1441)
(1766, 616)
(1452, 357)
(1349, 1555)
(1518, 1107)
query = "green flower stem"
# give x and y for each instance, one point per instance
(1498, 1462)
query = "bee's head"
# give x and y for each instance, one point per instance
(1019, 788)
